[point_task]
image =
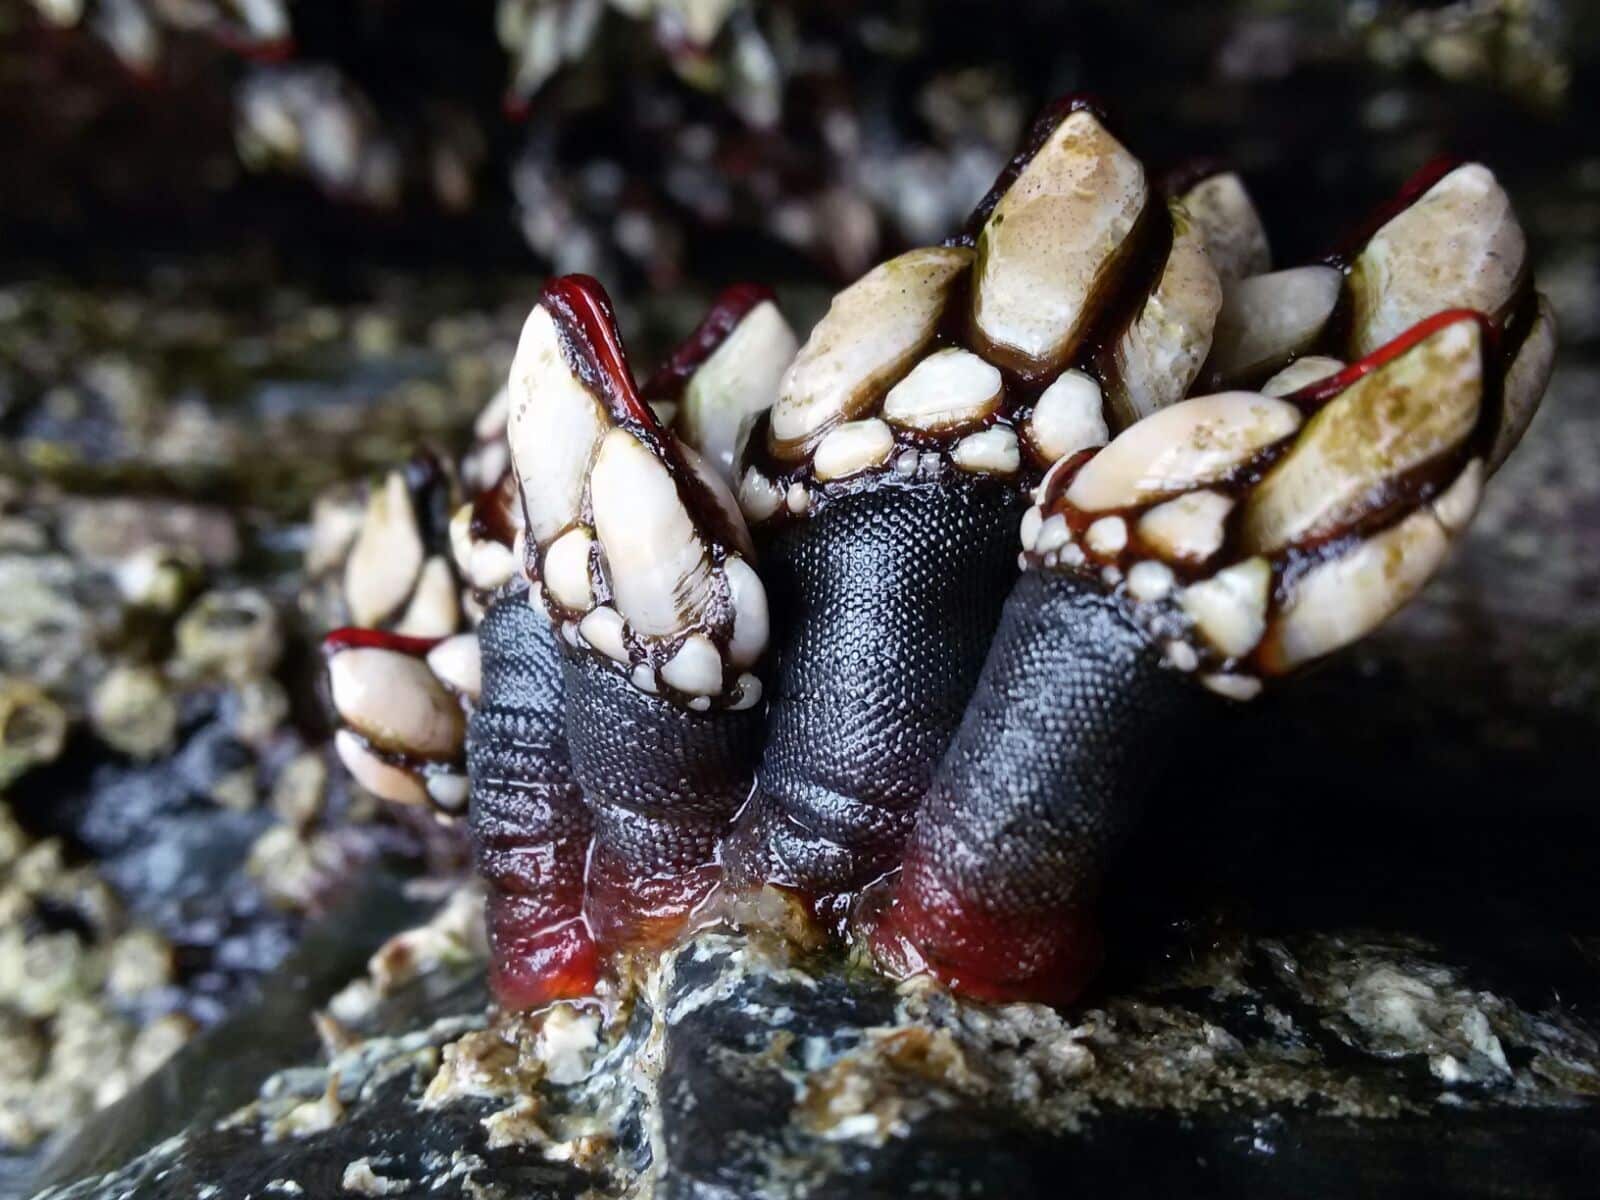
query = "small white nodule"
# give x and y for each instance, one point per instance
(851, 448)
(948, 390)
(383, 780)
(458, 663)
(566, 570)
(750, 619)
(1234, 687)
(449, 792)
(749, 692)
(759, 497)
(1149, 580)
(602, 629)
(1189, 527)
(992, 452)
(1032, 521)
(1230, 608)
(491, 565)
(696, 668)
(1069, 416)
(1107, 537)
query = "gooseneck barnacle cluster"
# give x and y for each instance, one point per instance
(761, 624)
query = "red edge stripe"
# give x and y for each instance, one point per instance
(1412, 190)
(731, 307)
(1323, 390)
(580, 303)
(354, 637)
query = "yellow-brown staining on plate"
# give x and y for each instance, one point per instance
(1248, 534)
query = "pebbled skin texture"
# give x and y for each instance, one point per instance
(1065, 733)
(884, 603)
(530, 826)
(663, 784)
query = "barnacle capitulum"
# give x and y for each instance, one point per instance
(1219, 473)
(887, 480)
(1222, 542)
(403, 704)
(638, 556)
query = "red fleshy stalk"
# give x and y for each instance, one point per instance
(920, 926)
(534, 964)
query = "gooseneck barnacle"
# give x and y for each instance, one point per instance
(1224, 540)
(1217, 472)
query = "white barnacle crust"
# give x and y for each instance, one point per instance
(395, 702)
(992, 452)
(1069, 416)
(1053, 243)
(1230, 608)
(383, 564)
(1268, 319)
(1525, 382)
(1160, 353)
(384, 780)
(457, 663)
(1406, 413)
(851, 448)
(1187, 528)
(1302, 372)
(1190, 443)
(871, 333)
(555, 427)
(948, 391)
(1235, 239)
(738, 380)
(1458, 246)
